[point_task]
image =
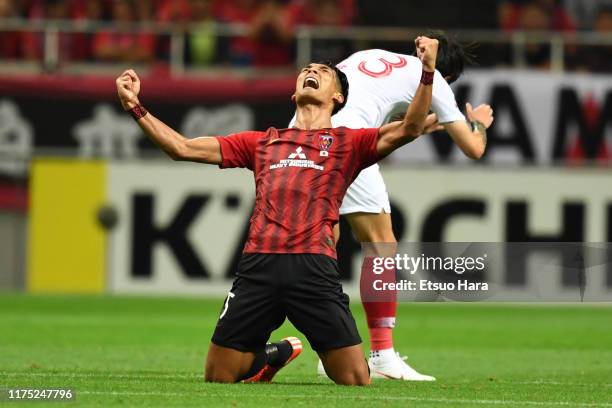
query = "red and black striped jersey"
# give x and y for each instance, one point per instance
(301, 177)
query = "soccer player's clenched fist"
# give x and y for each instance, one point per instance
(128, 88)
(427, 51)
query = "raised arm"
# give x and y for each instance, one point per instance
(472, 138)
(397, 134)
(201, 149)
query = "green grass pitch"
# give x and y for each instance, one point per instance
(148, 351)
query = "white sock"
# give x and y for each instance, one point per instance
(386, 353)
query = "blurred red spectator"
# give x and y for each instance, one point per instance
(534, 15)
(325, 13)
(241, 49)
(85, 11)
(144, 10)
(9, 40)
(124, 46)
(71, 46)
(269, 34)
(173, 10)
(92, 10)
(322, 12)
(272, 33)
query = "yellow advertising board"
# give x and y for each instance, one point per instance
(67, 247)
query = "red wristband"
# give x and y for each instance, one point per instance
(427, 77)
(138, 112)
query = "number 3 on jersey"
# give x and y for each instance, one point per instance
(386, 71)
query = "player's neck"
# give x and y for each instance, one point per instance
(312, 117)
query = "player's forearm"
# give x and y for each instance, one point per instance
(477, 144)
(200, 149)
(168, 140)
(479, 131)
(472, 142)
(416, 116)
(414, 121)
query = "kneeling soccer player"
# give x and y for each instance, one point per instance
(288, 268)
(382, 85)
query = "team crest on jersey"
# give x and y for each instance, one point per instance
(325, 142)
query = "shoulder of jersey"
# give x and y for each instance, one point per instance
(376, 52)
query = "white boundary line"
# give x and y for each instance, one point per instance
(357, 397)
(103, 375)
(306, 396)
(549, 382)
(196, 376)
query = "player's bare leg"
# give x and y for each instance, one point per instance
(384, 361)
(346, 365)
(228, 365)
(380, 307)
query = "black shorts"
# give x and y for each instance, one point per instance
(302, 287)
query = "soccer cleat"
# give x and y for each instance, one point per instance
(268, 372)
(393, 368)
(390, 365)
(321, 369)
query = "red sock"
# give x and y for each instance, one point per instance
(381, 338)
(380, 306)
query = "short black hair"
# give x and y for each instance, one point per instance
(452, 55)
(342, 81)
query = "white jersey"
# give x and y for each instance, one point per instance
(381, 86)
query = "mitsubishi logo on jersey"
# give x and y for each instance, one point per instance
(298, 153)
(296, 159)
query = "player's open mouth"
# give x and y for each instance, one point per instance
(311, 82)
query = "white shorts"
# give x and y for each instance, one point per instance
(368, 193)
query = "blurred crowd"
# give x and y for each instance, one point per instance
(269, 40)
(270, 29)
(565, 16)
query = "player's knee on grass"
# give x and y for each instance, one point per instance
(217, 372)
(219, 375)
(226, 365)
(346, 365)
(353, 377)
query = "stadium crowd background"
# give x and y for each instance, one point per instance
(270, 27)
(543, 65)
